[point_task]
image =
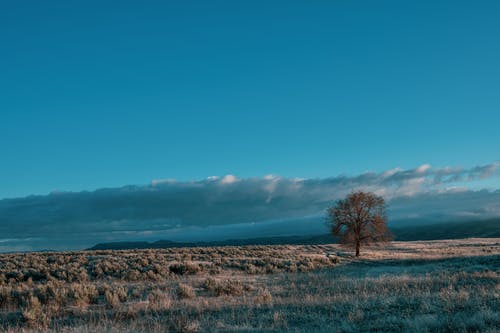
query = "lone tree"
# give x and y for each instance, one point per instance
(358, 219)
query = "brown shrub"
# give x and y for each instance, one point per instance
(34, 314)
(112, 299)
(83, 294)
(184, 268)
(226, 287)
(263, 296)
(185, 291)
(159, 300)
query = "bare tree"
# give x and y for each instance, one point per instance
(359, 219)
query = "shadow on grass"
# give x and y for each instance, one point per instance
(373, 267)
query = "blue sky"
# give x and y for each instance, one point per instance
(97, 94)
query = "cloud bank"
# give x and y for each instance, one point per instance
(228, 206)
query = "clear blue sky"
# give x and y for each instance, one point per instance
(99, 94)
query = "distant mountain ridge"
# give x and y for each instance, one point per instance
(454, 230)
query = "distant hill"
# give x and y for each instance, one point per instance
(453, 230)
(280, 240)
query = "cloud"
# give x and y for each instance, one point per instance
(485, 171)
(445, 206)
(168, 207)
(156, 182)
(228, 179)
(423, 168)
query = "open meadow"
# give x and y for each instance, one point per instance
(421, 286)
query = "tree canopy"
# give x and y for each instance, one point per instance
(360, 218)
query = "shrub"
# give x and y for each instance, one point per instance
(134, 275)
(112, 299)
(84, 294)
(185, 291)
(231, 287)
(210, 284)
(159, 300)
(34, 314)
(184, 269)
(263, 296)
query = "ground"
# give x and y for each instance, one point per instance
(427, 286)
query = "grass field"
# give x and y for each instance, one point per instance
(433, 286)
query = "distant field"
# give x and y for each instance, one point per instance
(422, 286)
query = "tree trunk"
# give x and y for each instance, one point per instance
(358, 246)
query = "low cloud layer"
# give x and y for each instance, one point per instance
(222, 207)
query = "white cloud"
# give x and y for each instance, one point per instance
(423, 168)
(228, 179)
(391, 172)
(156, 182)
(272, 184)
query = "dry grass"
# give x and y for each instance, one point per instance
(437, 286)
